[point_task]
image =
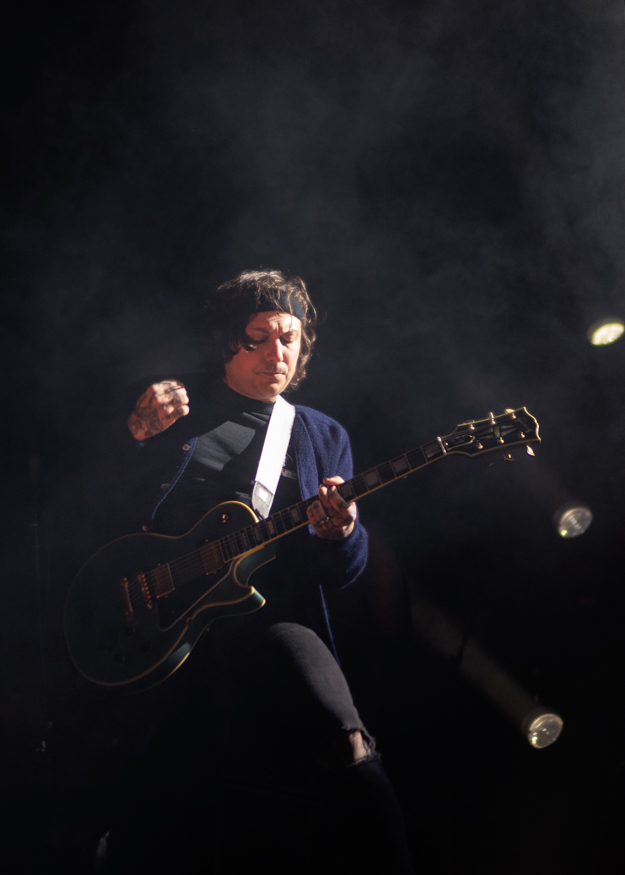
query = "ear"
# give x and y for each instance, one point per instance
(234, 349)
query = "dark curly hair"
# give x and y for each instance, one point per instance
(233, 304)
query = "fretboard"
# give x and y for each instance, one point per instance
(469, 438)
(294, 517)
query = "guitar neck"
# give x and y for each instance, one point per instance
(394, 469)
(294, 517)
(469, 439)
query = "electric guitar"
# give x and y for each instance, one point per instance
(139, 604)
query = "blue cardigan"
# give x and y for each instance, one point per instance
(127, 480)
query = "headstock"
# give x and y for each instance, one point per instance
(495, 433)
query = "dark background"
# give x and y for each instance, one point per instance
(448, 178)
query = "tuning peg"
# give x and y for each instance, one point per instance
(530, 451)
(510, 412)
(508, 457)
(492, 418)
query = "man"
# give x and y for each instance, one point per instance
(192, 442)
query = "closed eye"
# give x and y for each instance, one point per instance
(286, 339)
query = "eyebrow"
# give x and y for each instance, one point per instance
(293, 330)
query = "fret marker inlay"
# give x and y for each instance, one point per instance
(372, 479)
(400, 465)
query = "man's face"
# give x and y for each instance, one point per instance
(264, 373)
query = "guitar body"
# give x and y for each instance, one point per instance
(138, 606)
(131, 622)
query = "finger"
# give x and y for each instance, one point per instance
(336, 499)
(166, 389)
(324, 502)
(166, 385)
(333, 523)
(318, 516)
(170, 404)
(329, 494)
(333, 481)
(315, 521)
(176, 393)
(173, 396)
(340, 512)
(320, 512)
(177, 412)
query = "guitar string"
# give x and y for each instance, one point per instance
(213, 553)
(236, 544)
(243, 540)
(283, 521)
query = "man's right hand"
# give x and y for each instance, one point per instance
(159, 407)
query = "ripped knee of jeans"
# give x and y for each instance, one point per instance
(346, 748)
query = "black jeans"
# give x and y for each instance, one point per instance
(288, 682)
(233, 779)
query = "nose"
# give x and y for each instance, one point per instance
(274, 351)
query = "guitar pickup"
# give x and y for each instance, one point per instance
(161, 581)
(130, 614)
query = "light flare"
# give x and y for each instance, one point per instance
(605, 331)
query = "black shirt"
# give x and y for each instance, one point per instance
(223, 468)
(224, 462)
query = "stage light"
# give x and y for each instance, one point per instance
(542, 727)
(605, 331)
(572, 520)
(539, 725)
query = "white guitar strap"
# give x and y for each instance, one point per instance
(272, 457)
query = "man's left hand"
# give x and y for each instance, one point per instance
(331, 516)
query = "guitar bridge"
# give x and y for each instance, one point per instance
(145, 591)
